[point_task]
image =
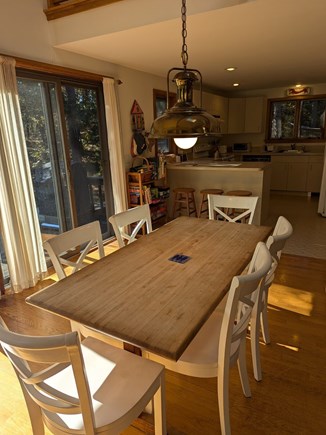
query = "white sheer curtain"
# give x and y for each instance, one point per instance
(18, 215)
(118, 173)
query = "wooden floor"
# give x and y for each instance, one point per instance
(291, 399)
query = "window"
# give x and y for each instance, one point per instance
(164, 146)
(296, 120)
(66, 144)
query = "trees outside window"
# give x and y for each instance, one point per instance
(296, 120)
(67, 148)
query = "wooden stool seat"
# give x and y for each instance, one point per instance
(239, 193)
(184, 199)
(204, 199)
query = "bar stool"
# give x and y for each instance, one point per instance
(204, 199)
(239, 193)
(184, 199)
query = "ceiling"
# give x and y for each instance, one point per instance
(273, 43)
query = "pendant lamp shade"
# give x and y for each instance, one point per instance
(185, 120)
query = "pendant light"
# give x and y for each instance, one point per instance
(184, 122)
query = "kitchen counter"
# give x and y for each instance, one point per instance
(280, 153)
(211, 164)
(210, 174)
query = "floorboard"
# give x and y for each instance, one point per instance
(290, 399)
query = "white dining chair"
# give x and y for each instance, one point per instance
(83, 388)
(221, 342)
(219, 207)
(275, 244)
(79, 241)
(123, 222)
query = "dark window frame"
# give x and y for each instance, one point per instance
(159, 94)
(296, 129)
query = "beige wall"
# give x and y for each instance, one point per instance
(25, 32)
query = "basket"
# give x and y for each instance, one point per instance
(145, 169)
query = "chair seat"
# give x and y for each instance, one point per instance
(128, 372)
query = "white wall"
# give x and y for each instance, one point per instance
(25, 32)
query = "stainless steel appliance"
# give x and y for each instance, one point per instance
(241, 147)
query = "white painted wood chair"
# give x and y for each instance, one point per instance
(219, 206)
(82, 239)
(221, 342)
(122, 224)
(83, 388)
(275, 244)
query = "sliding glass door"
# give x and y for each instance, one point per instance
(66, 144)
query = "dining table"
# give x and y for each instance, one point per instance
(157, 292)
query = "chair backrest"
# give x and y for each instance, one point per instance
(52, 355)
(122, 223)
(245, 291)
(276, 242)
(82, 238)
(221, 205)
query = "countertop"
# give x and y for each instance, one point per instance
(213, 165)
(280, 153)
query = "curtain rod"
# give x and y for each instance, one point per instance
(34, 65)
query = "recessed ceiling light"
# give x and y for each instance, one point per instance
(231, 68)
(236, 84)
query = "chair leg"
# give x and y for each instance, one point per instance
(34, 411)
(264, 325)
(223, 399)
(255, 350)
(242, 367)
(159, 409)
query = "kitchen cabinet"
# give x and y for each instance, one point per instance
(218, 106)
(314, 174)
(236, 115)
(297, 174)
(245, 115)
(279, 176)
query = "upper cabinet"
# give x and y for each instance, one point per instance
(238, 115)
(217, 106)
(245, 115)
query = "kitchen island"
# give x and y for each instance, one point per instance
(210, 174)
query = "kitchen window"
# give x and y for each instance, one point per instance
(301, 119)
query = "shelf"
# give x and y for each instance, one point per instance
(147, 192)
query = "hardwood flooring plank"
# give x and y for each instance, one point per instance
(289, 400)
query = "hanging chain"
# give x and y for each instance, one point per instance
(184, 52)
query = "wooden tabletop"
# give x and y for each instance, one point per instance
(139, 296)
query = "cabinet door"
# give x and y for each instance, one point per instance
(220, 107)
(279, 177)
(314, 176)
(253, 115)
(236, 115)
(297, 176)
